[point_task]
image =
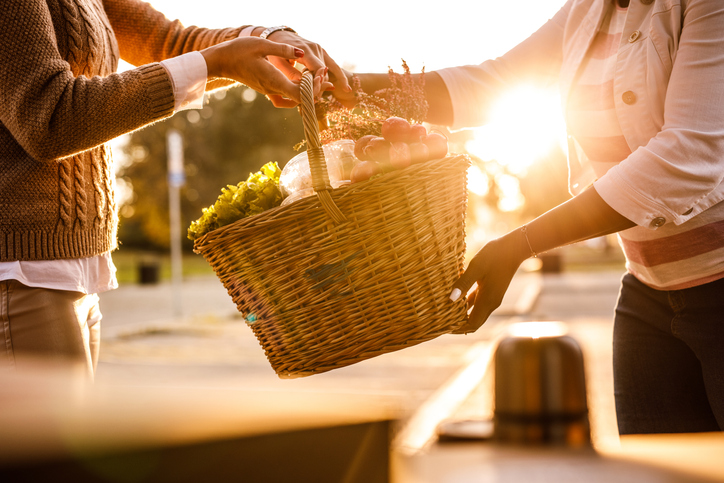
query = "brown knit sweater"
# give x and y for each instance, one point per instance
(61, 101)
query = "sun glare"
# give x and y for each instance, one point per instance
(524, 126)
(478, 181)
(511, 199)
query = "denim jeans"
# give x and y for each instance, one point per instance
(668, 358)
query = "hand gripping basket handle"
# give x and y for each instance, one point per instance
(317, 163)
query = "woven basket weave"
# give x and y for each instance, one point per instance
(352, 273)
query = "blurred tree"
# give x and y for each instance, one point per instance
(235, 134)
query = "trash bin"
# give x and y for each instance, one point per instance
(551, 262)
(540, 391)
(148, 271)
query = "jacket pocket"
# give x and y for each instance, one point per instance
(664, 34)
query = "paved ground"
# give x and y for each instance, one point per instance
(211, 346)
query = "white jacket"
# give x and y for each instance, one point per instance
(669, 98)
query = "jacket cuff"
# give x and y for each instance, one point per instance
(627, 201)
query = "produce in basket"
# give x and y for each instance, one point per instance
(400, 145)
(258, 193)
(296, 178)
(404, 99)
(360, 145)
(364, 170)
(395, 129)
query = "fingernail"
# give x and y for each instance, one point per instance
(348, 88)
(455, 294)
(298, 53)
(331, 88)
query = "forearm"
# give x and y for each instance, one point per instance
(584, 217)
(145, 35)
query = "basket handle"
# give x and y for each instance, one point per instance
(317, 163)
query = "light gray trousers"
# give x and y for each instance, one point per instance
(38, 324)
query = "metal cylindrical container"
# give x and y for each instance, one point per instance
(540, 392)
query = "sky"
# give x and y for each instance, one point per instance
(373, 35)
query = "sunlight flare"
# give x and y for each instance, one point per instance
(478, 181)
(525, 125)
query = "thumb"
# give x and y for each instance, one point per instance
(463, 284)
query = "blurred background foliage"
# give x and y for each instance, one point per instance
(233, 135)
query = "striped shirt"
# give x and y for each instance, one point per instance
(671, 257)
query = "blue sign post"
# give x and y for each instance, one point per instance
(176, 179)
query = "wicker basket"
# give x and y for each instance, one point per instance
(352, 273)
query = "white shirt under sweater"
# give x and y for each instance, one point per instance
(97, 274)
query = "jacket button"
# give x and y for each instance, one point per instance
(634, 36)
(657, 222)
(628, 97)
(647, 2)
(688, 212)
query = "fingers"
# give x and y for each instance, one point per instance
(287, 67)
(321, 83)
(313, 53)
(347, 98)
(314, 58)
(492, 268)
(336, 74)
(282, 102)
(463, 284)
(286, 100)
(481, 312)
(247, 60)
(471, 298)
(278, 79)
(276, 49)
(311, 61)
(271, 81)
(281, 86)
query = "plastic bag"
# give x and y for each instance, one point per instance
(296, 178)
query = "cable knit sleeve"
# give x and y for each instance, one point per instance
(145, 35)
(53, 113)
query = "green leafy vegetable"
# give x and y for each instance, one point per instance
(257, 194)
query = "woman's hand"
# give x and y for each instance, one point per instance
(492, 268)
(247, 60)
(314, 59)
(584, 217)
(347, 97)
